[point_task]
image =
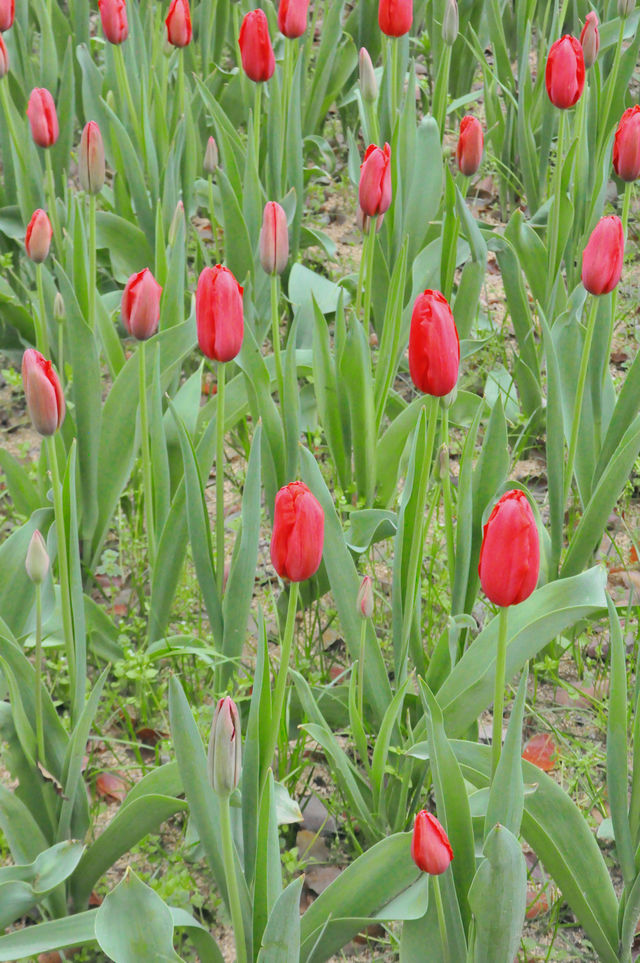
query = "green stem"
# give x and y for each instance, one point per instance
(440, 106)
(557, 203)
(275, 334)
(39, 726)
(63, 566)
(180, 84)
(498, 700)
(257, 112)
(446, 497)
(144, 448)
(281, 680)
(626, 205)
(394, 43)
(442, 924)
(42, 340)
(220, 479)
(230, 861)
(582, 377)
(92, 262)
(53, 210)
(363, 644)
(60, 357)
(212, 218)
(611, 86)
(125, 89)
(369, 251)
(8, 116)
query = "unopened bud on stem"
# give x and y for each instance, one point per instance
(37, 560)
(225, 748)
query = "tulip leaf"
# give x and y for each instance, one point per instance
(281, 937)
(44, 937)
(498, 897)
(617, 751)
(134, 923)
(506, 796)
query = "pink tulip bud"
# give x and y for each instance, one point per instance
(470, 145)
(211, 159)
(365, 597)
(224, 758)
(178, 23)
(430, 847)
(37, 560)
(626, 145)
(274, 239)
(590, 39)
(41, 112)
(115, 25)
(258, 61)
(367, 77)
(4, 58)
(219, 313)
(292, 17)
(603, 256)
(7, 13)
(91, 159)
(375, 180)
(37, 240)
(141, 305)
(45, 400)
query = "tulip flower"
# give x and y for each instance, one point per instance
(626, 145)
(626, 7)
(91, 159)
(395, 17)
(367, 77)
(365, 597)
(590, 39)
(450, 23)
(564, 74)
(45, 400)
(211, 159)
(292, 17)
(225, 748)
(375, 180)
(4, 58)
(258, 61)
(37, 240)
(603, 256)
(178, 23)
(430, 847)
(141, 305)
(510, 551)
(274, 239)
(113, 14)
(434, 347)
(37, 560)
(43, 119)
(219, 315)
(297, 541)
(470, 145)
(7, 13)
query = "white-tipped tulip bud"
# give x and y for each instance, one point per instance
(626, 7)
(211, 159)
(441, 466)
(225, 748)
(368, 82)
(178, 217)
(365, 598)
(59, 312)
(450, 23)
(274, 239)
(91, 159)
(37, 560)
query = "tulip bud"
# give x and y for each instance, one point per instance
(470, 145)
(176, 220)
(590, 39)
(510, 551)
(430, 847)
(45, 400)
(395, 17)
(141, 305)
(367, 77)
(59, 313)
(7, 13)
(37, 560)
(178, 23)
(91, 159)
(113, 14)
(441, 467)
(210, 163)
(365, 597)
(224, 757)
(37, 240)
(256, 52)
(450, 23)
(626, 7)
(274, 239)
(626, 145)
(375, 180)
(603, 256)
(564, 74)
(43, 119)
(297, 541)
(292, 17)
(4, 58)
(364, 221)
(219, 314)
(434, 347)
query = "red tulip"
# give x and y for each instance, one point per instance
(298, 533)
(274, 239)
(115, 25)
(91, 159)
(43, 392)
(430, 847)
(37, 240)
(590, 39)
(375, 180)
(292, 17)
(219, 314)
(564, 75)
(626, 146)
(258, 61)
(603, 256)
(141, 305)
(41, 112)
(434, 347)
(470, 145)
(4, 58)
(7, 13)
(178, 23)
(395, 17)
(510, 552)
(364, 600)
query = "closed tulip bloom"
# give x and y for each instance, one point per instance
(91, 159)
(590, 39)
(510, 552)
(603, 256)
(219, 314)
(564, 74)
(365, 597)
(211, 158)
(626, 145)
(375, 180)
(470, 145)
(37, 240)
(178, 23)
(395, 17)
(292, 17)
(274, 239)
(43, 392)
(625, 7)
(115, 25)
(43, 119)
(430, 847)
(434, 347)
(37, 560)
(4, 58)
(224, 758)
(141, 305)
(450, 23)
(7, 13)
(367, 77)
(297, 541)
(258, 61)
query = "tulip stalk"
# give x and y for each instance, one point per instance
(92, 261)
(257, 112)
(144, 447)
(281, 680)
(42, 340)
(212, 218)
(442, 90)
(39, 726)
(125, 89)
(220, 479)
(229, 860)
(611, 86)
(442, 924)
(275, 333)
(498, 701)
(365, 280)
(8, 116)
(446, 498)
(363, 645)
(582, 377)
(53, 210)
(396, 95)
(626, 206)
(557, 204)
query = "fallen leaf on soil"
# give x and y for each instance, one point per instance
(110, 785)
(537, 902)
(319, 877)
(542, 751)
(150, 737)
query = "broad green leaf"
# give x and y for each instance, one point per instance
(134, 923)
(498, 897)
(281, 938)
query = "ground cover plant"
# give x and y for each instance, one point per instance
(321, 415)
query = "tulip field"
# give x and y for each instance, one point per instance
(319, 481)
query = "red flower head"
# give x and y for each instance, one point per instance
(297, 541)
(603, 256)
(470, 145)
(219, 315)
(395, 17)
(258, 61)
(41, 112)
(590, 39)
(510, 552)
(7, 13)
(141, 305)
(375, 180)
(626, 145)
(564, 75)
(37, 240)
(43, 392)
(115, 25)
(178, 23)
(292, 17)
(434, 347)
(430, 847)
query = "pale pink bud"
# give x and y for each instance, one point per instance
(365, 597)
(367, 75)
(37, 560)
(211, 157)
(225, 748)
(141, 305)
(274, 239)
(45, 400)
(37, 240)
(91, 159)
